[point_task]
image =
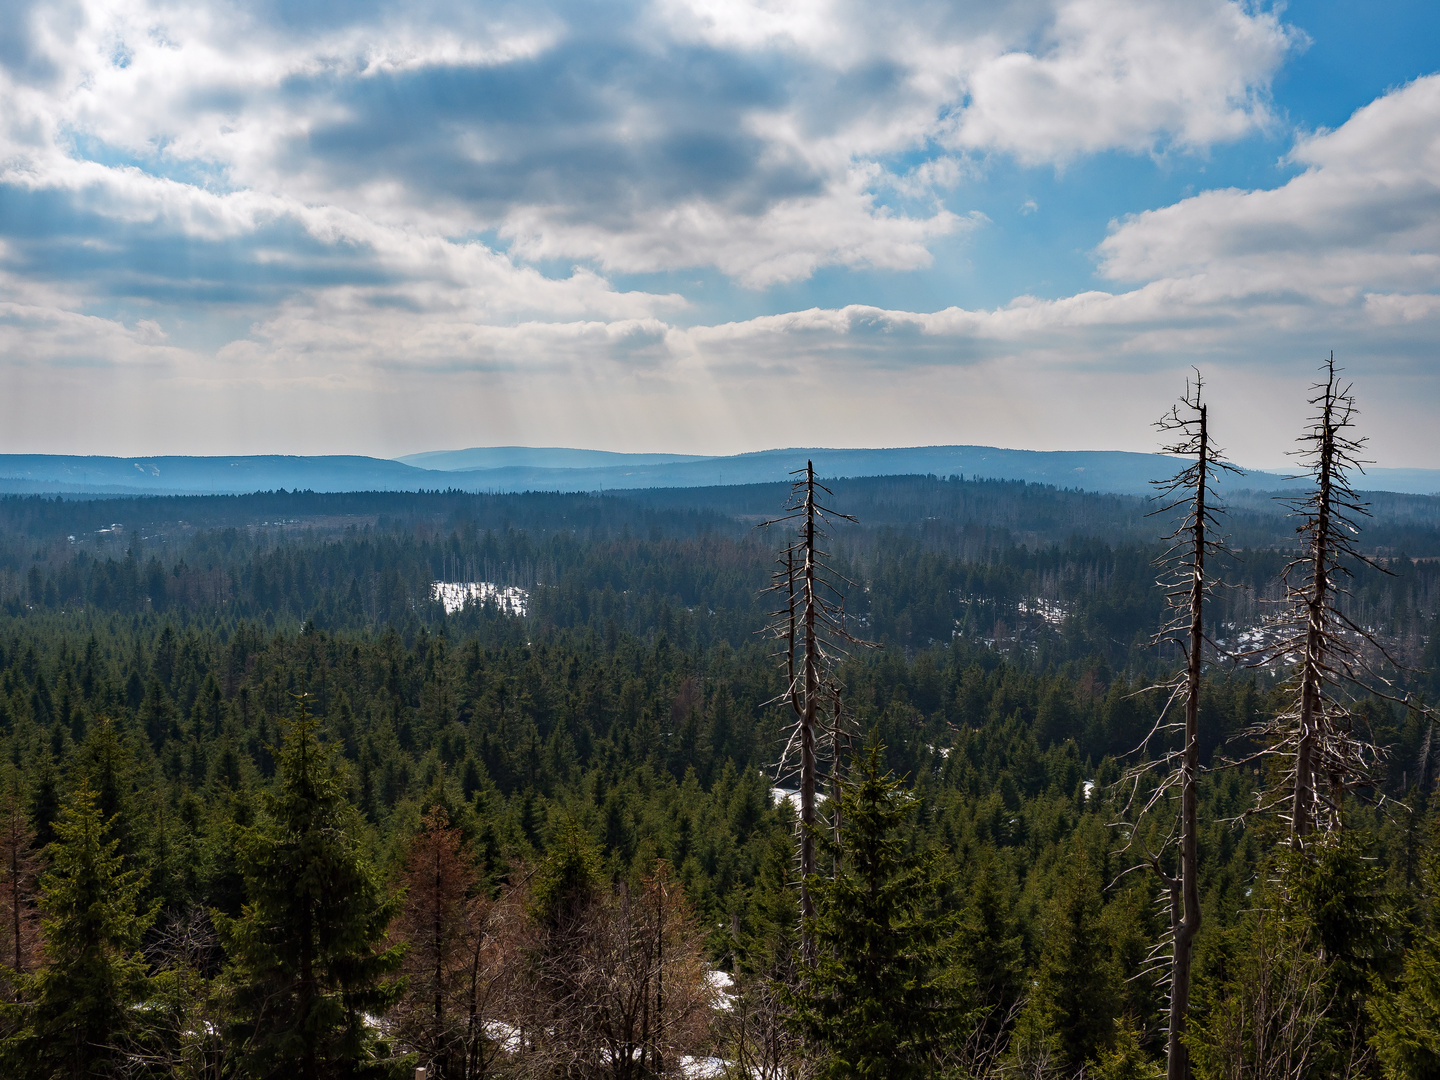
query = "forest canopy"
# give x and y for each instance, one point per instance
(268, 808)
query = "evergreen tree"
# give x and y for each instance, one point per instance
(1342, 897)
(307, 953)
(568, 891)
(78, 1005)
(1070, 1017)
(878, 1002)
(990, 947)
(1406, 1019)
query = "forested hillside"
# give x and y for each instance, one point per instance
(268, 809)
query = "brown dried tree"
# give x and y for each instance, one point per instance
(627, 995)
(458, 962)
(648, 977)
(20, 867)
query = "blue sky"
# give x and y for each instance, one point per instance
(712, 225)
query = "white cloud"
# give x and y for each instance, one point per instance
(646, 162)
(789, 240)
(1127, 74)
(339, 187)
(1364, 216)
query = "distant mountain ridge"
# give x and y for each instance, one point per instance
(544, 457)
(515, 468)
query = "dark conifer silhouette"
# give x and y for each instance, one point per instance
(308, 956)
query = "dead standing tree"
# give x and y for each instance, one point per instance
(1334, 656)
(1187, 583)
(813, 636)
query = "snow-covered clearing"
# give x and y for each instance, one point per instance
(510, 599)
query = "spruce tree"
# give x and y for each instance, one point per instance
(307, 954)
(1070, 1017)
(879, 1001)
(991, 957)
(1406, 1019)
(78, 1005)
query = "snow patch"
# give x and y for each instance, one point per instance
(790, 795)
(510, 599)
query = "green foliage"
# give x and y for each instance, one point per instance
(569, 881)
(1126, 1059)
(77, 1010)
(880, 1001)
(307, 954)
(1076, 994)
(1342, 896)
(1406, 1017)
(1291, 990)
(622, 722)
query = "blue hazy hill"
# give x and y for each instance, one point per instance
(177, 475)
(544, 457)
(512, 468)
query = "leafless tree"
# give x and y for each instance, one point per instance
(1272, 1025)
(1187, 584)
(811, 628)
(178, 1032)
(1332, 657)
(754, 1036)
(983, 1053)
(628, 997)
(649, 977)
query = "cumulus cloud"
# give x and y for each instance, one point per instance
(1127, 74)
(1362, 218)
(753, 137)
(408, 217)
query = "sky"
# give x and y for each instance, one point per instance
(713, 226)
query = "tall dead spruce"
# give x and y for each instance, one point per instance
(810, 628)
(1333, 657)
(1187, 583)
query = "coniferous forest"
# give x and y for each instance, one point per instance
(269, 809)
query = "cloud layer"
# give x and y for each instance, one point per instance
(383, 218)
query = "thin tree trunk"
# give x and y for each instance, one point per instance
(308, 1070)
(807, 730)
(1185, 921)
(657, 1060)
(15, 888)
(437, 939)
(1302, 820)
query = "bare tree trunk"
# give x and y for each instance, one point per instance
(1186, 581)
(807, 728)
(1302, 820)
(1185, 922)
(812, 624)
